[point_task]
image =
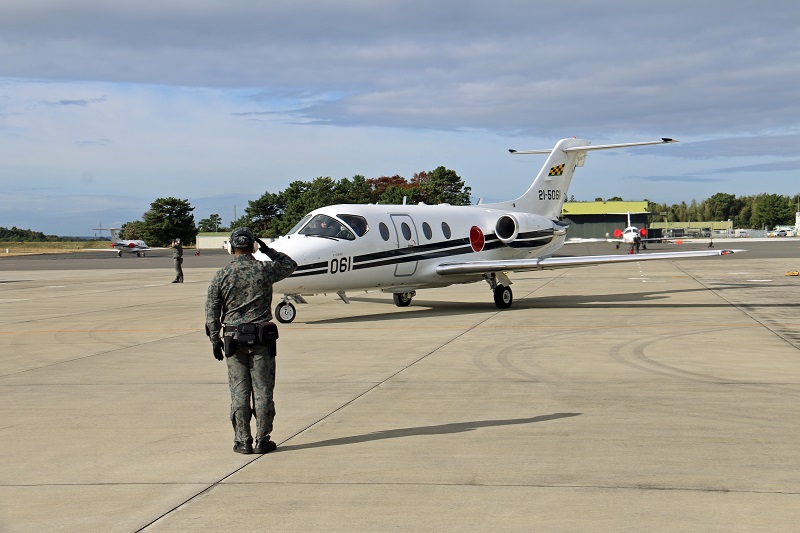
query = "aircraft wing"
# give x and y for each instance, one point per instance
(547, 263)
(585, 240)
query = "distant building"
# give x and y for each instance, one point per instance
(212, 240)
(590, 220)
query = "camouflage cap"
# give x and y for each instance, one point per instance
(242, 238)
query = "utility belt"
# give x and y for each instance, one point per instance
(264, 333)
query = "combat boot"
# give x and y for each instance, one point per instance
(243, 447)
(264, 445)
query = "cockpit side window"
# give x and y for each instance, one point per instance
(299, 224)
(357, 223)
(325, 226)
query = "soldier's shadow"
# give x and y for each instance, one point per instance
(441, 429)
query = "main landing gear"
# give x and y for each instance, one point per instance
(403, 299)
(503, 297)
(500, 284)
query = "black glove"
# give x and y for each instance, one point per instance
(262, 246)
(217, 349)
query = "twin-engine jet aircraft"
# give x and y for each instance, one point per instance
(137, 247)
(403, 248)
(631, 235)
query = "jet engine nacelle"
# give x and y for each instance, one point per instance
(509, 226)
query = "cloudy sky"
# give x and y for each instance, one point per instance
(107, 105)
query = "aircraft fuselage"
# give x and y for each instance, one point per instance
(398, 248)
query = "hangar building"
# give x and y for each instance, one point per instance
(598, 220)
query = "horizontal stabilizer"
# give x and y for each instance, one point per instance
(589, 148)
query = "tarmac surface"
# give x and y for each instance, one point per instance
(650, 396)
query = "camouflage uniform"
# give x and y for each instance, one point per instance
(241, 293)
(177, 257)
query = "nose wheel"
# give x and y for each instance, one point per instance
(285, 312)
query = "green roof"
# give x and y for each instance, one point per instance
(603, 208)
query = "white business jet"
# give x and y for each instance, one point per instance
(630, 235)
(137, 247)
(403, 248)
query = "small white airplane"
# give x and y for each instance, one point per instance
(630, 235)
(137, 247)
(403, 248)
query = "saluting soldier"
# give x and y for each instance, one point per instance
(238, 315)
(177, 258)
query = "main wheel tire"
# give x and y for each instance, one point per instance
(503, 297)
(402, 299)
(285, 312)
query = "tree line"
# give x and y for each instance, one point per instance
(16, 234)
(755, 211)
(274, 214)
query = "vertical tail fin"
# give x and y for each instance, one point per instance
(112, 231)
(548, 191)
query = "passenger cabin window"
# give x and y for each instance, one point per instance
(325, 226)
(357, 223)
(426, 229)
(406, 231)
(384, 230)
(446, 230)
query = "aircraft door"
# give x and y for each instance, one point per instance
(406, 233)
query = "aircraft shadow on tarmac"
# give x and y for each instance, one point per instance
(433, 308)
(442, 429)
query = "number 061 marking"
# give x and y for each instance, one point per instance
(343, 264)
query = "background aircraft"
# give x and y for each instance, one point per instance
(137, 247)
(631, 235)
(403, 248)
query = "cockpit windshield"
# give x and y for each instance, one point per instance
(325, 226)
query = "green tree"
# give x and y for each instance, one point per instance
(169, 218)
(442, 186)
(212, 223)
(263, 212)
(355, 191)
(722, 206)
(395, 195)
(241, 222)
(133, 230)
(771, 210)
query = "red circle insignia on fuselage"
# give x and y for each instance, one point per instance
(476, 238)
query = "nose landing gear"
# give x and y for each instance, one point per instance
(285, 312)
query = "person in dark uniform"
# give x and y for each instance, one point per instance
(177, 258)
(238, 307)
